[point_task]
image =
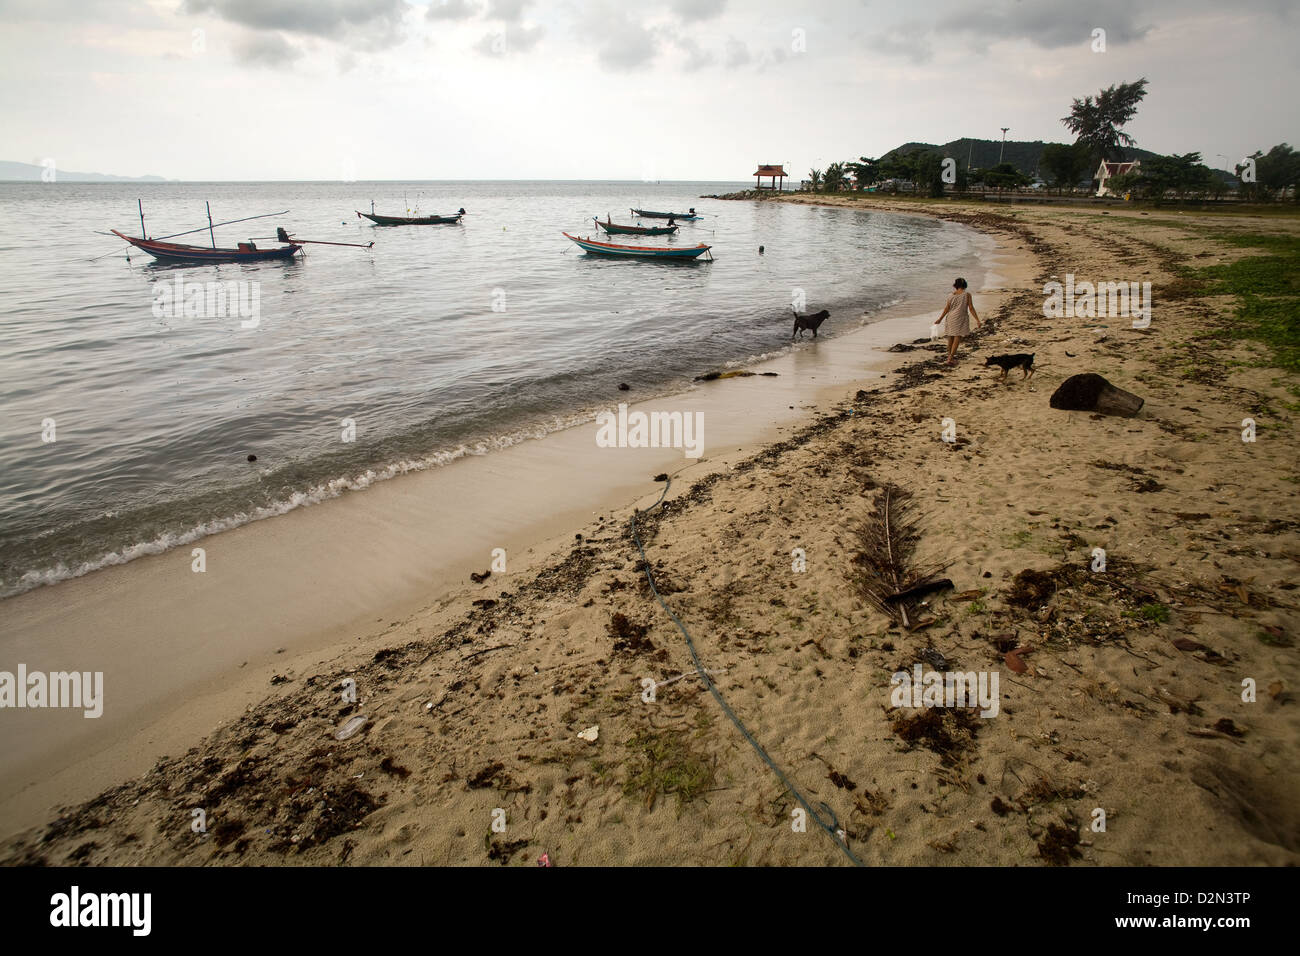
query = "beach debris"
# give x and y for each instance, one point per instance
(1059, 845)
(1031, 589)
(1089, 392)
(590, 734)
(882, 569)
(502, 852)
(662, 476)
(624, 387)
(351, 727)
(921, 590)
(733, 373)
(1226, 726)
(252, 458)
(544, 860)
(934, 658)
(480, 578)
(1013, 660)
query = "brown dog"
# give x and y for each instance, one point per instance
(813, 322)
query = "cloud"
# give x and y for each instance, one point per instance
(623, 45)
(1050, 24)
(510, 40)
(908, 41)
(366, 23)
(452, 10)
(508, 10)
(693, 11)
(265, 49)
(697, 58)
(737, 53)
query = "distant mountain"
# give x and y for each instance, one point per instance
(983, 153)
(27, 173)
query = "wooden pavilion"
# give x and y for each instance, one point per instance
(773, 172)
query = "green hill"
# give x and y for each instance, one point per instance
(984, 152)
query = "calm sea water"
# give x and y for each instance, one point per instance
(441, 341)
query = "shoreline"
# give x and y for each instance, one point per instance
(284, 621)
(475, 702)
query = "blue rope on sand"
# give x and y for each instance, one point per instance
(831, 826)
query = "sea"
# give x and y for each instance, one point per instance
(132, 394)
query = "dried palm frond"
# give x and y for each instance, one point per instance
(883, 569)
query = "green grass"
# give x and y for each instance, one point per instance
(1156, 613)
(664, 763)
(1267, 289)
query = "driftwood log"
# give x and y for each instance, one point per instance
(1090, 392)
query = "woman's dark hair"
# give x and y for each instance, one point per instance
(959, 283)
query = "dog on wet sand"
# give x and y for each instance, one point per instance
(1021, 360)
(813, 322)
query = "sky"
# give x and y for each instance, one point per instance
(612, 89)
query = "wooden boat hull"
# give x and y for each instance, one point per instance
(379, 220)
(679, 253)
(614, 229)
(648, 214)
(178, 252)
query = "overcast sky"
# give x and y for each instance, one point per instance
(598, 89)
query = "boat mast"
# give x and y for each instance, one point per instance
(140, 203)
(211, 234)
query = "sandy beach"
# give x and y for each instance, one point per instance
(1146, 712)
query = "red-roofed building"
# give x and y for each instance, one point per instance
(775, 172)
(1106, 170)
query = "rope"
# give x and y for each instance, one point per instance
(833, 825)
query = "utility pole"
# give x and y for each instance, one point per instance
(1004, 142)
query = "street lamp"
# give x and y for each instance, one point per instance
(1004, 142)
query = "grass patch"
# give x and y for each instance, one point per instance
(1267, 287)
(664, 763)
(1155, 613)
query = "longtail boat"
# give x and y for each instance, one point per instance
(379, 220)
(179, 252)
(684, 216)
(595, 248)
(614, 228)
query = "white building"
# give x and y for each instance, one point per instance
(1107, 170)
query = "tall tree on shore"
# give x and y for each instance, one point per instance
(1097, 122)
(833, 178)
(815, 179)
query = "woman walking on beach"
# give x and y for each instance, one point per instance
(959, 310)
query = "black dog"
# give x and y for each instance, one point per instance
(1021, 360)
(802, 322)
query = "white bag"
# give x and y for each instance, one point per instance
(936, 330)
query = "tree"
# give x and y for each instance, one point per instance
(1096, 123)
(834, 177)
(1275, 171)
(1161, 175)
(815, 179)
(865, 172)
(928, 172)
(1065, 165)
(1004, 176)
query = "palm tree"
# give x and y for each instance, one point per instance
(834, 178)
(815, 179)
